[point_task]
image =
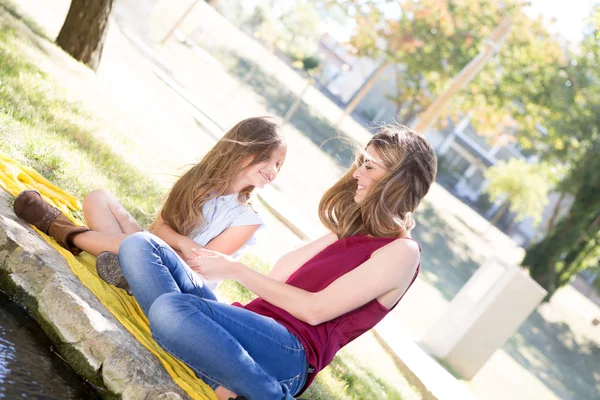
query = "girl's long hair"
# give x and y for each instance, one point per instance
(252, 139)
(387, 209)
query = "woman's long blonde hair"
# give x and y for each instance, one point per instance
(387, 209)
(252, 139)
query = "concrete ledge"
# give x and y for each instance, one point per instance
(421, 370)
(84, 332)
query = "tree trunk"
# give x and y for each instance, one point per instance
(552, 220)
(294, 107)
(499, 214)
(84, 30)
(412, 108)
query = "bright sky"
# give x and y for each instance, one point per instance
(570, 15)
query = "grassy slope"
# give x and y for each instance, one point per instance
(43, 126)
(53, 129)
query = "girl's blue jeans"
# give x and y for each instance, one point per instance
(251, 355)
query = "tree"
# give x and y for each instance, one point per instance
(429, 41)
(309, 65)
(524, 188)
(512, 98)
(84, 30)
(296, 28)
(574, 243)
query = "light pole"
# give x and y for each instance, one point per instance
(466, 75)
(179, 21)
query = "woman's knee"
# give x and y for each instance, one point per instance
(134, 247)
(138, 241)
(167, 314)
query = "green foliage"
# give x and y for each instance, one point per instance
(430, 41)
(524, 185)
(310, 63)
(292, 27)
(574, 243)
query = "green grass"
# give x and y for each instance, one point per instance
(43, 125)
(233, 291)
(347, 378)
(40, 126)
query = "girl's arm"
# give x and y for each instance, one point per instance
(290, 262)
(181, 243)
(390, 270)
(231, 239)
(227, 242)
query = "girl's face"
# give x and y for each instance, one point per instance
(368, 173)
(261, 174)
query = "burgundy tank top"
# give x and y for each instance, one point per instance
(322, 342)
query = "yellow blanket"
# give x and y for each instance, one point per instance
(14, 178)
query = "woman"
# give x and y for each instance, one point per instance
(316, 299)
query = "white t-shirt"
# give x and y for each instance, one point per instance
(221, 213)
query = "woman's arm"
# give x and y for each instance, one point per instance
(290, 262)
(390, 268)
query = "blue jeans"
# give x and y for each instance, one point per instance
(247, 353)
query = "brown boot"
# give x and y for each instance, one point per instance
(30, 206)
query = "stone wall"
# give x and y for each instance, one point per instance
(84, 332)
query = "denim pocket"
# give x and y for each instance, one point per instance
(292, 383)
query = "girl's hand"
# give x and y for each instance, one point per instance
(190, 251)
(215, 266)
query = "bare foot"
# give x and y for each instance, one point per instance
(224, 394)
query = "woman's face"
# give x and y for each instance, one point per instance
(368, 173)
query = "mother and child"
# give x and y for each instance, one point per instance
(315, 300)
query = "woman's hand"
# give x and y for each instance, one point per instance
(214, 266)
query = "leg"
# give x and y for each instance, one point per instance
(103, 213)
(244, 352)
(152, 268)
(109, 221)
(96, 242)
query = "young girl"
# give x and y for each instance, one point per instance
(316, 299)
(209, 206)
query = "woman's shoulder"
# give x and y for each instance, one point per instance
(404, 248)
